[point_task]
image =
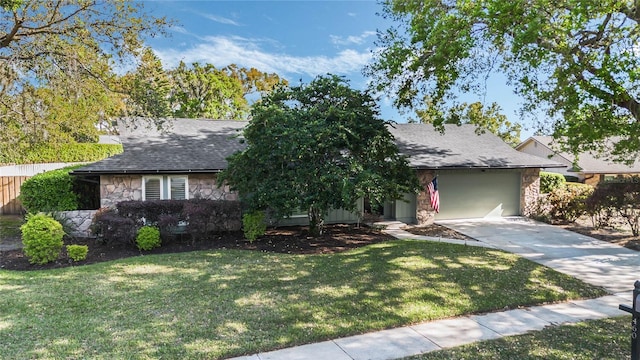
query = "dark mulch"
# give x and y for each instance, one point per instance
(289, 240)
(436, 230)
(611, 235)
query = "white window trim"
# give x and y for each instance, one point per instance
(144, 186)
(186, 186)
(165, 185)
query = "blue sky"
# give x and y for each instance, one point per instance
(298, 40)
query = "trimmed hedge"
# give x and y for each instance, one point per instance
(49, 191)
(42, 238)
(200, 216)
(73, 152)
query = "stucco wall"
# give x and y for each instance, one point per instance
(530, 190)
(117, 188)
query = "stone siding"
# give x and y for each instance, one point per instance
(117, 188)
(529, 191)
(77, 222)
(204, 186)
(425, 215)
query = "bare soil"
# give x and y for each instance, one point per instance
(438, 231)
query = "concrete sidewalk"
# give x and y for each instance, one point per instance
(593, 261)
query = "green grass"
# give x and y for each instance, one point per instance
(589, 340)
(10, 226)
(217, 304)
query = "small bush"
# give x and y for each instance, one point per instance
(42, 238)
(77, 252)
(550, 181)
(621, 199)
(109, 226)
(49, 191)
(148, 237)
(254, 225)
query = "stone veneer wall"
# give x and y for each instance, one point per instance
(529, 190)
(78, 222)
(425, 215)
(204, 186)
(117, 188)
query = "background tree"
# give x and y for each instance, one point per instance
(489, 119)
(148, 88)
(315, 147)
(56, 60)
(202, 91)
(255, 81)
(578, 60)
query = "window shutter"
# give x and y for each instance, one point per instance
(178, 188)
(152, 189)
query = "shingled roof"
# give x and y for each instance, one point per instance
(185, 145)
(460, 147)
(201, 146)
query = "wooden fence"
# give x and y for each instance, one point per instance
(9, 191)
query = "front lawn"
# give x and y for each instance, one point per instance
(217, 304)
(589, 340)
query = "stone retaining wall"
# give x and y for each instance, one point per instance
(77, 222)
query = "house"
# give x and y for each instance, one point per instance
(479, 175)
(587, 168)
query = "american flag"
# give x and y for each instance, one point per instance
(433, 194)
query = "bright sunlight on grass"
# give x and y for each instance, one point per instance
(596, 339)
(217, 304)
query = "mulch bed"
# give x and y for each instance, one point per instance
(436, 230)
(289, 240)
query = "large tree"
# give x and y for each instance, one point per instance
(579, 60)
(56, 66)
(315, 147)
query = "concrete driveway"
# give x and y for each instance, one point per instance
(597, 262)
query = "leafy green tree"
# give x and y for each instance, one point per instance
(489, 119)
(254, 80)
(148, 88)
(315, 147)
(204, 91)
(578, 60)
(56, 59)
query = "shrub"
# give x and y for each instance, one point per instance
(622, 199)
(109, 226)
(49, 191)
(550, 181)
(568, 203)
(254, 225)
(77, 252)
(42, 238)
(148, 237)
(68, 152)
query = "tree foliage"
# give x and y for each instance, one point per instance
(56, 61)
(578, 60)
(486, 119)
(315, 147)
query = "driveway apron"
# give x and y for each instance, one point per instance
(596, 262)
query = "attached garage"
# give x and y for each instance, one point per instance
(478, 174)
(478, 193)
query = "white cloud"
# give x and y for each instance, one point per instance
(352, 40)
(221, 20)
(222, 51)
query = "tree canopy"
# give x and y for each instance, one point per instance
(579, 61)
(315, 147)
(486, 119)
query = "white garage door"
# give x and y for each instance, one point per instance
(478, 194)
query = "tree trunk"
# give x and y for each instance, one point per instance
(316, 222)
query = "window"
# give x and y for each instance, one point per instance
(177, 188)
(165, 187)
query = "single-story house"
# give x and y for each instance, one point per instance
(478, 175)
(587, 167)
